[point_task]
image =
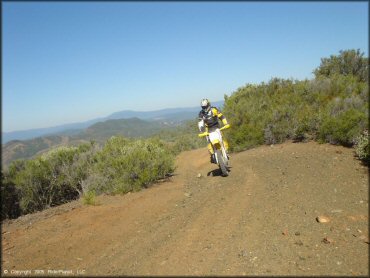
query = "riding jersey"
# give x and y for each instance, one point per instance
(211, 117)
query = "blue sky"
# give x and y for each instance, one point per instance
(65, 62)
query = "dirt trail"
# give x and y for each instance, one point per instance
(261, 220)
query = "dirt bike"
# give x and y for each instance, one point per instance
(215, 138)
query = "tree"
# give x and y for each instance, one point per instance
(348, 62)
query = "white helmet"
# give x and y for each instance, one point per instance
(206, 105)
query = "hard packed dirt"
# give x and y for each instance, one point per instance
(288, 209)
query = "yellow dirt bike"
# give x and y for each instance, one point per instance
(214, 136)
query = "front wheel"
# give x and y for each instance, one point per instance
(221, 163)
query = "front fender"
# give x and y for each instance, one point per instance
(217, 144)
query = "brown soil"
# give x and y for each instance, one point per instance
(261, 220)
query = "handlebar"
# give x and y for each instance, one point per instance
(225, 127)
(207, 133)
(203, 134)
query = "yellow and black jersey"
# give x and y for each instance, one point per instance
(211, 117)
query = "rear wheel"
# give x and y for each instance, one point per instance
(221, 163)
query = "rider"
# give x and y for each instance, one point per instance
(208, 120)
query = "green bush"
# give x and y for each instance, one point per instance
(262, 113)
(10, 207)
(343, 128)
(67, 173)
(48, 180)
(89, 198)
(331, 108)
(126, 165)
(348, 62)
(362, 147)
(42, 183)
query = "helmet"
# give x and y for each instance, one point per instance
(206, 105)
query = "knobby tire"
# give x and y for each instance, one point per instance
(222, 163)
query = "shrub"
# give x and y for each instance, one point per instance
(348, 62)
(332, 108)
(341, 129)
(89, 198)
(9, 199)
(362, 147)
(127, 165)
(81, 170)
(67, 173)
(48, 180)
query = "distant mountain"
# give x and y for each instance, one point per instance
(132, 128)
(180, 114)
(171, 116)
(17, 149)
(101, 131)
(60, 129)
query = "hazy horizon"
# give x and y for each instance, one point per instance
(103, 116)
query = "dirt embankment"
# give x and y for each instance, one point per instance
(261, 220)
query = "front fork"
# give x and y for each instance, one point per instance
(223, 150)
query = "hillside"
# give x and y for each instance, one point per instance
(172, 116)
(261, 220)
(132, 128)
(26, 149)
